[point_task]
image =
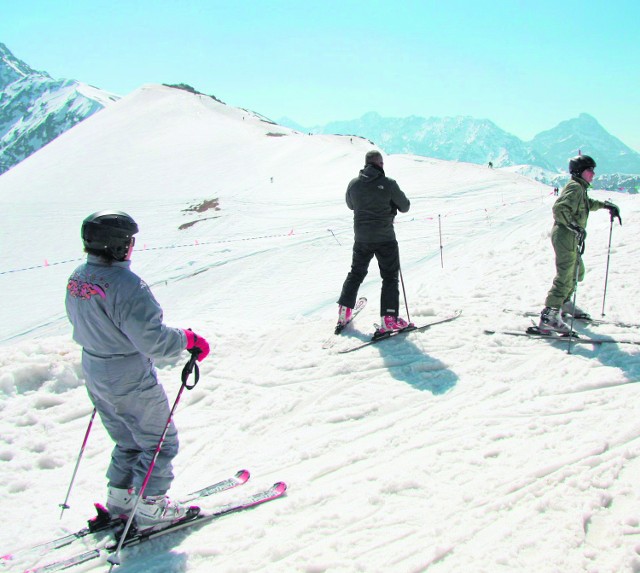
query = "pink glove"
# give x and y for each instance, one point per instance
(195, 341)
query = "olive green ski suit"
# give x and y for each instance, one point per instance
(571, 209)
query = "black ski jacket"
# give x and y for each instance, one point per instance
(375, 200)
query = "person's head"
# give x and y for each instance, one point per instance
(109, 235)
(374, 157)
(582, 166)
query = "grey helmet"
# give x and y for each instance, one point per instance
(579, 163)
(108, 234)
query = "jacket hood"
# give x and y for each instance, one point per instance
(371, 172)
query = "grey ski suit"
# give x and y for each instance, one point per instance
(118, 323)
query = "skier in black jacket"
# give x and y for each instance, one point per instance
(375, 200)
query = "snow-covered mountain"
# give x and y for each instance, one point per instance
(35, 108)
(586, 134)
(450, 138)
(480, 141)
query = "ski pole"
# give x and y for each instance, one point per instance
(580, 252)
(189, 367)
(606, 276)
(64, 505)
(334, 236)
(404, 292)
(440, 231)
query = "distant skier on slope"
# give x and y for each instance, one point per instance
(375, 200)
(118, 323)
(570, 214)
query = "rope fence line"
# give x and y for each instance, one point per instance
(438, 217)
(196, 243)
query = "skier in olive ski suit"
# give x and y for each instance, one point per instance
(118, 323)
(374, 199)
(570, 214)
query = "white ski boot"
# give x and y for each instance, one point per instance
(120, 501)
(551, 320)
(158, 511)
(574, 310)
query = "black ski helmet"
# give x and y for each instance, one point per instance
(579, 163)
(108, 234)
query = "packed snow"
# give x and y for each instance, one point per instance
(440, 451)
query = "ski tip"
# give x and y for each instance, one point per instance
(489, 331)
(243, 475)
(280, 487)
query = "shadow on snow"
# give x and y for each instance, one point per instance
(408, 363)
(608, 354)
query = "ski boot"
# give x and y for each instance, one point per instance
(551, 321)
(568, 308)
(158, 512)
(391, 323)
(120, 501)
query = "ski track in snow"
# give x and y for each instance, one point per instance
(439, 451)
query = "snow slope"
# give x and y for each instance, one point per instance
(443, 451)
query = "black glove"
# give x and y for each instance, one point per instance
(614, 210)
(580, 233)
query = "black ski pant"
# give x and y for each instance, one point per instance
(388, 257)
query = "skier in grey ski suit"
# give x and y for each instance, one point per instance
(119, 325)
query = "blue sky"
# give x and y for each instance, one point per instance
(526, 65)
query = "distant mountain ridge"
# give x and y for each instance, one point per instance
(465, 138)
(584, 132)
(35, 108)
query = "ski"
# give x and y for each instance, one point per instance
(362, 302)
(240, 478)
(277, 490)
(104, 522)
(594, 321)
(533, 332)
(407, 330)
